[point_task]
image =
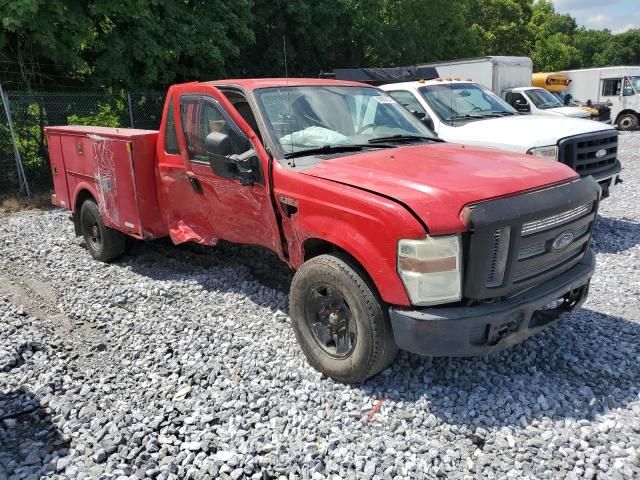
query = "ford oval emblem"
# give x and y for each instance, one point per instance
(562, 241)
(601, 153)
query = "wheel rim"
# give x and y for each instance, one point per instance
(331, 321)
(626, 122)
(94, 236)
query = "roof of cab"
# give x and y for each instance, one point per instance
(255, 83)
(421, 83)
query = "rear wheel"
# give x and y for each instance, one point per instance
(103, 243)
(628, 121)
(339, 321)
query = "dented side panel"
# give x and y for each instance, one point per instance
(365, 225)
(218, 208)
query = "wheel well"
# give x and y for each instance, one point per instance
(624, 112)
(80, 199)
(314, 247)
(82, 196)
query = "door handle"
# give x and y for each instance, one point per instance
(195, 183)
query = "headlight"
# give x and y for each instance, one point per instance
(431, 269)
(550, 152)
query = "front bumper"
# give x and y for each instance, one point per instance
(608, 180)
(486, 328)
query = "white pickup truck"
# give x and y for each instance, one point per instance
(469, 113)
(539, 101)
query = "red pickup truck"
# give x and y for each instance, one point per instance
(398, 239)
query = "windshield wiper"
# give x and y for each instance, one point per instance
(324, 149)
(403, 138)
(462, 117)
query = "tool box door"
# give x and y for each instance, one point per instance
(115, 184)
(60, 189)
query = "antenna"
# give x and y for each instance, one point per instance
(286, 76)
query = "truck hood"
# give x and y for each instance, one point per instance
(437, 181)
(519, 133)
(574, 112)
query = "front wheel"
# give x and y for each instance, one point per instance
(628, 121)
(103, 243)
(339, 321)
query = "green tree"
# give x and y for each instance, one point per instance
(118, 43)
(404, 32)
(147, 42)
(317, 37)
(590, 43)
(40, 39)
(500, 26)
(551, 46)
(622, 49)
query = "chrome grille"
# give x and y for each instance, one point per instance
(542, 224)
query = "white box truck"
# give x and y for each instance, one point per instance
(620, 86)
(495, 72)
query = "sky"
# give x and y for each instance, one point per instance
(616, 15)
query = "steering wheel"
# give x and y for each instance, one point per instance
(362, 129)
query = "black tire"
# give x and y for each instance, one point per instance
(103, 243)
(364, 344)
(628, 121)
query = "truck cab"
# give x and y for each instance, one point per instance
(617, 86)
(557, 84)
(538, 101)
(398, 239)
(469, 113)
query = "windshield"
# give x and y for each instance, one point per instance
(464, 101)
(542, 99)
(635, 82)
(566, 99)
(313, 117)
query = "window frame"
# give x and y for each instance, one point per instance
(408, 92)
(618, 84)
(515, 94)
(171, 115)
(204, 100)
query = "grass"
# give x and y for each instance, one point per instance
(17, 203)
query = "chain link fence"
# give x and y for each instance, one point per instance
(31, 111)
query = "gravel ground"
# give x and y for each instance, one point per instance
(175, 364)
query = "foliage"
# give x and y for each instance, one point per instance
(316, 35)
(137, 44)
(107, 115)
(500, 26)
(404, 32)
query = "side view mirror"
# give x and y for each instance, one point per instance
(424, 118)
(247, 167)
(218, 143)
(521, 106)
